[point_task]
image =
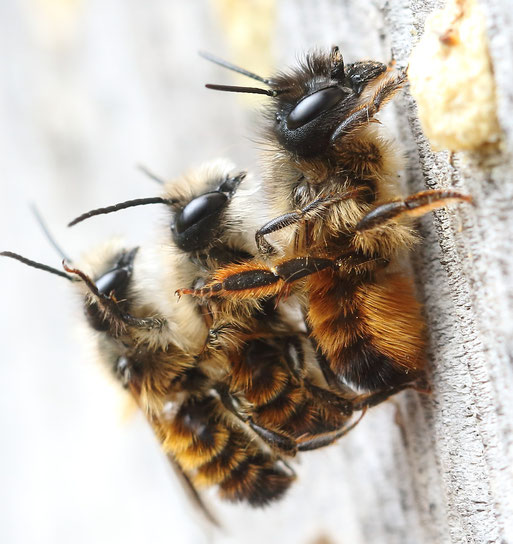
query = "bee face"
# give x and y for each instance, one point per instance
(115, 280)
(195, 225)
(305, 128)
(316, 98)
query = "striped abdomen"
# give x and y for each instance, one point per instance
(214, 451)
(269, 375)
(370, 331)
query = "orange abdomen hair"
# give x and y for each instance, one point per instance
(370, 332)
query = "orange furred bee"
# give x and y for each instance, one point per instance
(339, 226)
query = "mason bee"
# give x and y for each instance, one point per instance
(154, 355)
(330, 173)
(229, 381)
(256, 372)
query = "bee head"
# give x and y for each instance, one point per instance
(197, 223)
(311, 102)
(316, 98)
(194, 223)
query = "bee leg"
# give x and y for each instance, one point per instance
(360, 403)
(239, 281)
(412, 206)
(110, 306)
(280, 441)
(258, 281)
(148, 323)
(367, 400)
(278, 223)
(343, 402)
(385, 91)
(311, 211)
(326, 439)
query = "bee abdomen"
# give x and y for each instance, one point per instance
(281, 409)
(363, 365)
(195, 434)
(373, 336)
(259, 480)
(219, 468)
(261, 386)
(279, 399)
(213, 451)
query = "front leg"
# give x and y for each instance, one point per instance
(256, 280)
(389, 84)
(109, 307)
(314, 210)
(413, 206)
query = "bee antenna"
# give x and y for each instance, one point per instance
(47, 233)
(233, 68)
(122, 206)
(35, 264)
(237, 89)
(150, 174)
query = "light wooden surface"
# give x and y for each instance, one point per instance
(88, 90)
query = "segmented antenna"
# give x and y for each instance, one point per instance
(236, 89)
(47, 233)
(150, 174)
(121, 206)
(35, 264)
(233, 68)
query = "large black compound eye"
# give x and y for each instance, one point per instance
(198, 223)
(313, 105)
(112, 280)
(116, 279)
(198, 209)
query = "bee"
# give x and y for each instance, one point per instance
(255, 369)
(270, 372)
(339, 226)
(155, 361)
(104, 281)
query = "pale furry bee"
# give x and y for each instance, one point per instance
(151, 343)
(254, 370)
(154, 345)
(330, 173)
(137, 350)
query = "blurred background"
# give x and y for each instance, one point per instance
(89, 90)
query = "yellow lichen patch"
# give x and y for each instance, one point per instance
(452, 79)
